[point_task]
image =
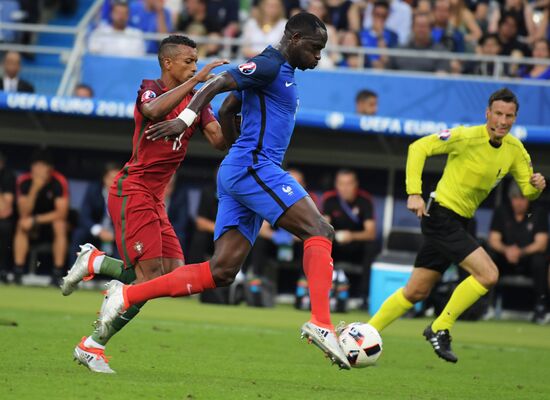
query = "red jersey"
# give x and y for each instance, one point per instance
(154, 162)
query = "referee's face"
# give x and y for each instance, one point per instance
(501, 116)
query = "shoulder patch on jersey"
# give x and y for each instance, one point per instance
(444, 135)
(247, 68)
(148, 94)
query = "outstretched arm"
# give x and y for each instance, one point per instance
(159, 107)
(220, 83)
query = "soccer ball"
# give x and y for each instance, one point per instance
(361, 343)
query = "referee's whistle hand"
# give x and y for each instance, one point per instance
(415, 203)
(538, 181)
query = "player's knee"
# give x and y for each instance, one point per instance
(153, 269)
(224, 276)
(324, 229)
(416, 294)
(490, 277)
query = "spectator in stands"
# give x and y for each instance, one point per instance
(7, 199)
(10, 12)
(94, 222)
(518, 239)
(522, 12)
(31, 15)
(351, 212)
(366, 102)
(83, 90)
(339, 12)
(421, 40)
(150, 16)
(508, 35)
(225, 13)
(175, 201)
(443, 31)
(117, 38)
(541, 49)
(202, 243)
(195, 21)
(43, 205)
(291, 7)
(543, 28)
(11, 82)
(378, 35)
(267, 28)
(480, 10)
(489, 45)
(399, 20)
(465, 22)
(352, 59)
(328, 58)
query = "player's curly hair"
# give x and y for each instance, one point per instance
(505, 95)
(167, 45)
(305, 23)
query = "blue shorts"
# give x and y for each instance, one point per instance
(248, 195)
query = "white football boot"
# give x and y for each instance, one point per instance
(82, 270)
(327, 341)
(92, 358)
(112, 307)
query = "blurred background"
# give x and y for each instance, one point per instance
(392, 71)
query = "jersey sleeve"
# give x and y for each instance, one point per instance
(521, 170)
(8, 183)
(206, 116)
(445, 142)
(367, 209)
(258, 72)
(23, 186)
(541, 221)
(60, 186)
(147, 92)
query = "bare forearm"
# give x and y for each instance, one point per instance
(26, 205)
(362, 236)
(219, 84)
(161, 22)
(496, 244)
(164, 104)
(538, 246)
(48, 218)
(205, 225)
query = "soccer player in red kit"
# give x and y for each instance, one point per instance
(144, 236)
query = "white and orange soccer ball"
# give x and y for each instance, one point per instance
(361, 343)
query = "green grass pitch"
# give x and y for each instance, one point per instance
(180, 349)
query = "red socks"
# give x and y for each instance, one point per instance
(318, 269)
(183, 281)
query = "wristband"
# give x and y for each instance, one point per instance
(188, 116)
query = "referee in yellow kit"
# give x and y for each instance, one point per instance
(478, 158)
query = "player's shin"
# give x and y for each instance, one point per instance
(394, 307)
(318, 270)
(119, 323)
(183, 281)
(114, 268)
(466, 293)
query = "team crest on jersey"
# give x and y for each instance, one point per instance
(444, 135)
(138, 247)
(148, 94)
(247, 68)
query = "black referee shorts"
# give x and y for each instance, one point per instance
(446, 239)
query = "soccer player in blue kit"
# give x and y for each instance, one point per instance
(252, 186)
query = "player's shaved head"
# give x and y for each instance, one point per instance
(169, 46)
(304, 23)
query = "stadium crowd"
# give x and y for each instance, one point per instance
(516, 28)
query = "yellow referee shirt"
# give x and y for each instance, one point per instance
(473, 168)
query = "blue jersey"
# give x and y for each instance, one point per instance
(269, 104)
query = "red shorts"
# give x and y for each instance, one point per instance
(142, 229)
